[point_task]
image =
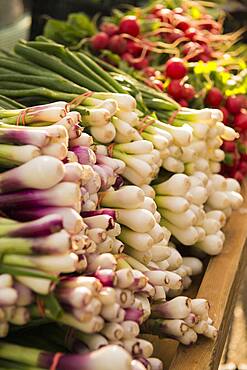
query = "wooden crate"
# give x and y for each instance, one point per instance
(220, 285)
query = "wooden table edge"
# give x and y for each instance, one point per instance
(206, 354)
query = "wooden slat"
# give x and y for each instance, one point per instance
(220, 286)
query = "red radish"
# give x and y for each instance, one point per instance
(204, 57)
(173, 36)
(207, 50)
(234, 104)
(149, 71)
(100, 41)
(134, 48)
(229, 146)
(244, 98)
(141, 64)
(244, 157)
(158, 84)
(175, 89)
(183, 103)
(225, 114)
(127, 57)
(188, 92)
(117, 44)
(109, 28)
(191, 33)
(129, 25)
(240, 122)
(243, 168)
(175, 68)
(181, 22)
(238, 176)
(207, 25)
(191, 47)
(214, 97)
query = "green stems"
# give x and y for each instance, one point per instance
(7, 365)
(49, 82)
(24, 67)
(116, 87)
(7, 103)
(38, 91)
(56, 65)
(160, 104)
(16, 353)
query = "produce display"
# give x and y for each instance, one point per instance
(111, 194)
(177, 48)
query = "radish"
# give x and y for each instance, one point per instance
(243, 168)
(229, 146)
(159, 84)
(181, 22)
(207, 50)
(175, 89)
(238, 176)
(109, 28)
(175, 68)
(214, 97)
(127, 57)
(191, 33)
(141, 64)
(134, 48)
(240, 122)
(244, 156)
(130, 26)
(204, 57)
(190, 47)
(100, 41)
(149, 71)
(183, 103)
(188, 92)
(173, 36)
(234, 104)
(225, 114)
(117, 44)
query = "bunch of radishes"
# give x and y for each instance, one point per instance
(179, 24)
(235, 115)
(176, 71)
(115, 39)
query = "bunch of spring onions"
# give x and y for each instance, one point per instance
(224, 195)
(101, 300)
(142, 161)
(15, 297)
(192, 210)
(194, 137)
(181, 318)
(138, 161)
